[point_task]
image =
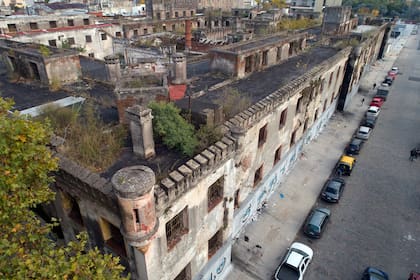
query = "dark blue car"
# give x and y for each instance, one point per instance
(372, 273)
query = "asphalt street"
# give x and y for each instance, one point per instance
(377, 221)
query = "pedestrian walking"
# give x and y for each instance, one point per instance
(374, 85)
(414, 153)
(363, 101)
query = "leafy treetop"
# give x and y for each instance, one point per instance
(27, 251)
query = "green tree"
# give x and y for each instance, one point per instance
(27, 251)
(172, 128)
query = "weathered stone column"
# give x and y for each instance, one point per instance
(141, 128)
(180, 69)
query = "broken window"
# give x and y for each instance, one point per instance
(112, 237)
(258, 175)
(86, 21)
(283, 118)
(103, 36)
(71, 41)
(185, 274)
(53, 24)
(33, 25)
(70, 22)
(52, 43)
(277, 155)
(88, 38)
(164, 27)
(176, 228)
(176, 14)
(215, 243)
(12, 27)
(262, 136)
(215, 194)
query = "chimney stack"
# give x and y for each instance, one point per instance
(141, 128)
(180, 75)
(113, 71)
(188, 34)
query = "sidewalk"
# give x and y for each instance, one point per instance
(259, 249)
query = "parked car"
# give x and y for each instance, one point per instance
(363, 132)
(414, 276)
(388, 80)
(316, 222)
(395, 69)
(333, 189)
(377, 102)
(382, 92)
(392, 74)
(373, 111)
(345, 165)
(295, 262)
(369, 121)
(372, 273)
(354, 147)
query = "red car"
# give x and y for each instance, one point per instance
(377, 101)
(392, 74)
(414, 276)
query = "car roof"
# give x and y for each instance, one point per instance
(295, 258)
(318, 215)
(364, 129)
(373, 108)
(302, 247)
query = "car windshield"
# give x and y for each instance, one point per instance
(313, 228)
(331, 190)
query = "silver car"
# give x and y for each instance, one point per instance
(363, 132)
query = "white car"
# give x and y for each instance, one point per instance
(363, 132)
(295, 262)
(395, 69)
(373, 111)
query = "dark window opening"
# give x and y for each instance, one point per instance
(299, 105)
(86, 21)
(176, 228)
(293, 138)
(75, 213)
(236, 202)
(71, 41)
(215, 243)
(192, 13)
(158, 15)
(12, 27)
(262, 136)
(283, 118)
(53, 24)
(227, 23)
(52, 43)
(248, 64)
(70, 22)
(176, 14)
(215, 194)
(145, 31)
(278, 56)
(168, 15)
(91, 55)
(164, 27)
(113, 238)
(258, 175)
(88, 39)
(103, 36)
(325, 106)
(33, 25)
(184, 13)
(135, 32)
(330, 80)
(185, 274)
(173, 27)
(316, 115)
(118, 34)
(277, 155)
(265, 58)
(305, 125)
